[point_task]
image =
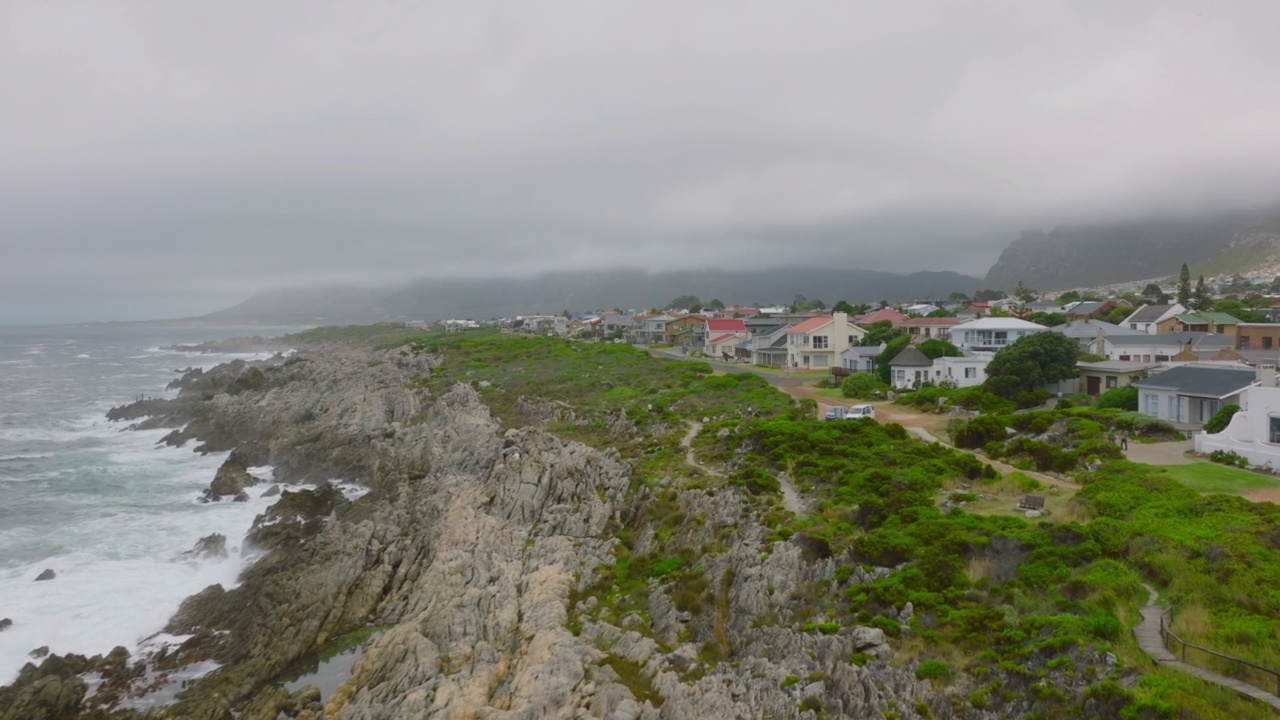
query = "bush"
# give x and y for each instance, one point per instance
(1220, 419)
(1124, 398)
(979, 431)
(863, 386)
(1229, 457)
(932, 670)
(756, 481)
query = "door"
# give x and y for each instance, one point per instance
(1094, 386)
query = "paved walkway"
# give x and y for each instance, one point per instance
(1165, 453)
(1148, 636)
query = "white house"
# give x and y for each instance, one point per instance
(1159, 348)
(724, 345)
(1190, 395)
(861, 358)
(910, 368)
(992, 334)
(964, 371)
(1254, 432)
(1087, 331)
(1145, 318)
(767, 348)
(818, 342)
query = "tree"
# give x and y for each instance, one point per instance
(1030, 363)
(1237, 309)
(843, 306)
(1024, 293)
(1068, 296)
(1047, 319)
(695, 308)
(1184, 286)
(1116, 315)
(891, 350)
(1201, 300)
(958, 297)
(716, 304)
(1124, 398)
(882, 332)
(941, 313)
(1154, 295)
(799, 302)
(989, 295)
(684, 301)
(935, 348)
(817, 305)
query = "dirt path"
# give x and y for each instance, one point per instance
(1150, 636)
(790, 495)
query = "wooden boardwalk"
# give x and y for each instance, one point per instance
(1151, 642)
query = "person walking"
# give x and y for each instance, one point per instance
(1124, 439)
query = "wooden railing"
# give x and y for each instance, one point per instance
(1232, 667)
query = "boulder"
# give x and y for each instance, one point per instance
(272, 491)
(241, 496)
(214, 546)
(866, 637)
(295, 517)
(232, 478)
(48, 574)
(5, 624)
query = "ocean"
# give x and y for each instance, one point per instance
(110, 511)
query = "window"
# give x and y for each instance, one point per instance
(901, 375)
(1124, 358)
(1244, 343)
(853, 340)
(820, 360)
(1160, 358)
(1133, 326)
(1266, 343)
(1152, 402)
(1275, 430)
(971, 372)
(819, 342)
(1112, 382)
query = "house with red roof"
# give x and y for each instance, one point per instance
(722, 335)
(817, 342)
(881, 315)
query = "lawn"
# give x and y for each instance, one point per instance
(1212, 477)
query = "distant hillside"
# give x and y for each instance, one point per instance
(583, 290)
(1091, 255)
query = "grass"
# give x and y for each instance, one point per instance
(1207, 477)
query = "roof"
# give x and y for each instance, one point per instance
(722, 338)
(882, 314)
(1088, 328)
(1085, 307)
(810, 325)
(1118, 366)
(863, 350)
(1202, 318)
(726, 325)
(1174, 339)
(911, 357)
(999, 323)
(1148, 313)
(1201, 381)
(933, 321)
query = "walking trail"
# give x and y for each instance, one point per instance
(1149, 640)
(790, 496)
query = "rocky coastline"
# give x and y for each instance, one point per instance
(471, 563)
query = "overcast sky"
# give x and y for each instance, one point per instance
(170, 158)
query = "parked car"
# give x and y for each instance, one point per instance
(835, 413)
(858, 412)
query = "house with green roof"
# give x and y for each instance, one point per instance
(1219, 323)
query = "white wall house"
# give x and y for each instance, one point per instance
(1254, 432)
(1145, 318)
(817, 342)
(992, 334)
(910, 368)
(1188, 395)
(1158, 348)
(861, 358)
(966, 371)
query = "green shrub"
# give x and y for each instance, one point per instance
(979, 431)
(1221, 419)
(665, 566)
(756, 480)
(1124, 398)
(932, 670)
(789, 680)
(1229, 457)
(863, 386)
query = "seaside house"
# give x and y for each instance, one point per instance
(966, 371)
(1148, 317)
(1088, 330)
(929, 328)
(1189, 395)
(1219, 323)
(1258, 336)
(860, 358)
(910, 368)
(1254, 431)
(652, 330)
(767, 347)
(894, 317)
(1098, 377)
(992, 334)
(1184, 346)
(817, 342)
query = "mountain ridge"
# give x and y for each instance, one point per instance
(437, 299)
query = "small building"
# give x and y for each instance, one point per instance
(1161, 348)
(1218, 323)
(893, 317)
(910, 368)
(817, 342)
(1189, 395)
(1148, 317)
(1088, 330)
(768, 348)
(861, 358)
(1099, 377)
(1258, 336)
(966, 371)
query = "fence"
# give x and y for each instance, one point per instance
(1228, 665)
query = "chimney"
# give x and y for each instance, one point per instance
(1266, 375)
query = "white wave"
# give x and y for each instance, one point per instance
(87, 357)
(17, 458)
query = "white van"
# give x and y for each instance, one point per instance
(860, 411)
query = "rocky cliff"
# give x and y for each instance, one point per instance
(478, 560)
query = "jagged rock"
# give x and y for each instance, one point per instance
(209, 546)
(295, 517)
(51, 690)
(231, 479)
(47, 574)
(241, 496)
(866, 637)
(39, 652)
(272, 491)
(5, 624)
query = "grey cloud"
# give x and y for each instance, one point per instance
(184, 155)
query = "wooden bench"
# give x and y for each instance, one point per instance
(1032, 502)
